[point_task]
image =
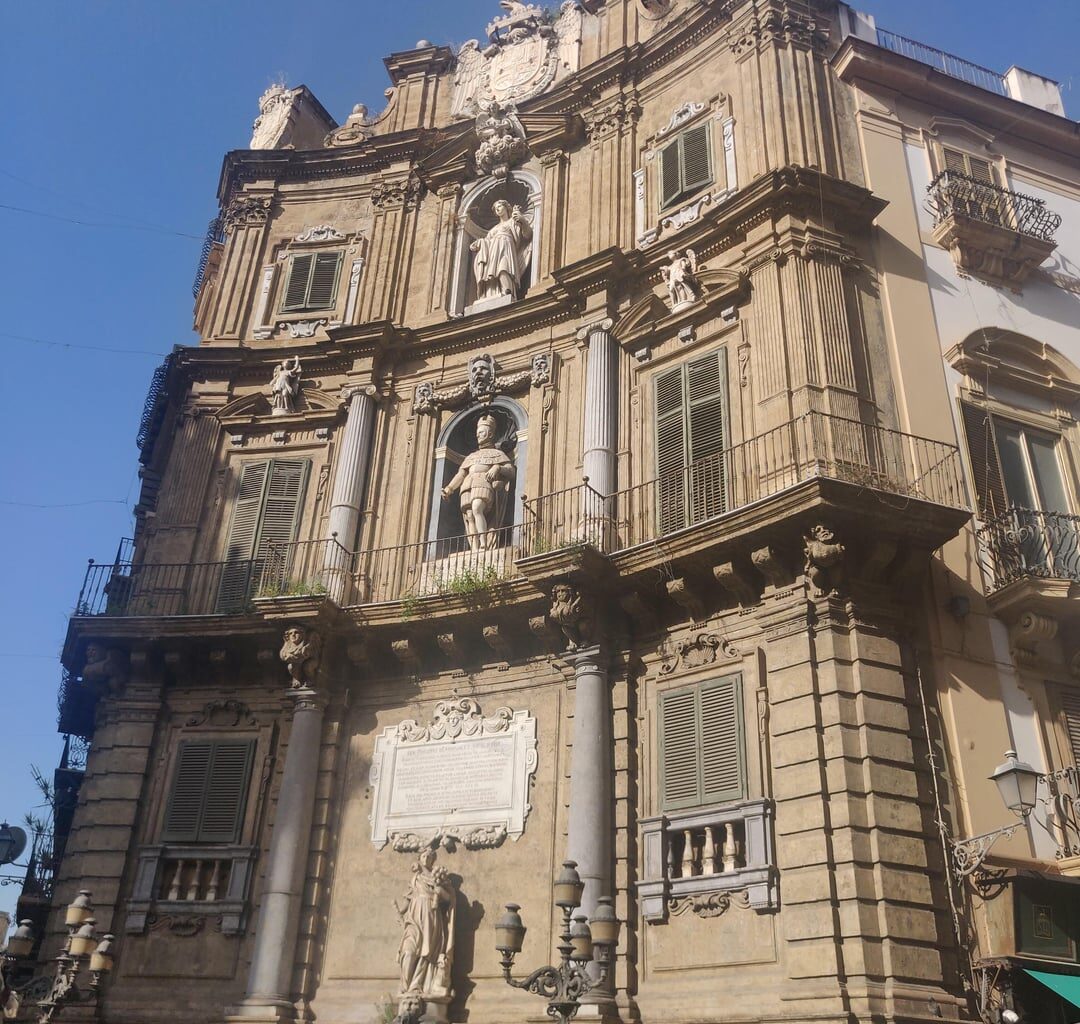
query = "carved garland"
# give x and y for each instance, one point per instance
(713, 904)
(484, 384)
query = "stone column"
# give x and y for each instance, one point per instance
(270, 976)
(350, 479)
(589, 840)
(601, 435)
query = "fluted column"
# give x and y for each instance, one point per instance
(350, 479)
(270, 975)
(601, 434)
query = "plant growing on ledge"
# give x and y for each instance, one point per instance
(296, 588)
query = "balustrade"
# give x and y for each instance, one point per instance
(194, 879)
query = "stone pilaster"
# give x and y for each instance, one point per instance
(601, 434)
(270, 976)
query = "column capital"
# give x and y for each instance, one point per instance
(601, 326)
(350, 391)
(586, 659)
(305, 698)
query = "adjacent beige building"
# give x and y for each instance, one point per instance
(649, 441)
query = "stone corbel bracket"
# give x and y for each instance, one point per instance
(541, 372)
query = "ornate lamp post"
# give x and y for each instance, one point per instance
(81, 946)
(564, 985)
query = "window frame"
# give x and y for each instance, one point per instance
(305, 306)
(678, 142)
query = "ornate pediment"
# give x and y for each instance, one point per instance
(527, 49)
(257, 406)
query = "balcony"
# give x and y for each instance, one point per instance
(704, 860)
(992, 233)
(692, 501)
(953, 66)
(1031, 561)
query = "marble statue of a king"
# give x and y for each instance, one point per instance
(484, 481)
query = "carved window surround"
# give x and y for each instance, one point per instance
(191, 880)
(305, 324)
(651, 223)
(706, 859)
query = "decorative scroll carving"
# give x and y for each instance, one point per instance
(395, 194)
(461, 778)
(611, 117)
(524, 53)
(680, 116)
(226, 713)
(301, 652)
(502, 139)
(712, 904)
(185, 926)
(824, 560)
(484, 383)
(302, 328)
(356, 128)
(693, 652)
(320, 233)
(246, 210)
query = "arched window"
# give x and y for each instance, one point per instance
(492, 270)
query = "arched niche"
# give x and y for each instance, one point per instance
(476, 217)
(456, 440)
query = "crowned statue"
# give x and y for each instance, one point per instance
(501, 256)
(483, 481)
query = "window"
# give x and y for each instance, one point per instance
(208, 794)
(701, 745)
(973, 166)
(267, 511)
(312, 282)
(1046, 919)
(691, 432)
(685, 165)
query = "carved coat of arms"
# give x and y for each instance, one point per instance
(526, 50)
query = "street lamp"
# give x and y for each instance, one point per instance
(81, 945)
(563, 986)
(1018, 784)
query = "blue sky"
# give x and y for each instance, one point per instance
(117, 115)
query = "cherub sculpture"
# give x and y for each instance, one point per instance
(680, 276)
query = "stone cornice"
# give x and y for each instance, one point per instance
(859, 60)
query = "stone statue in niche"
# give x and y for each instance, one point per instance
(483, 481)
(680, 276)
(285, 387)
(426, 954)
(501, 256)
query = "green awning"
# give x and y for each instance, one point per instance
(1065, 985)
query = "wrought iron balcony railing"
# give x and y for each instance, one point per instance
(1025, 543)
(954, 67)
(814, 445)
(955, 195)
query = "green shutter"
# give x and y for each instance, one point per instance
(723, 766)
(670, 404)
(233, 591)
(296, 290)
(696, 159)
(985, 464)
(679, 744)
(322, 293)
(184, 808)
(702, 758)
(209, 791)
(670, 178)
(226, 792)
(280, 520)
(706, 380)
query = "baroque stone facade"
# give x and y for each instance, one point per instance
(561, 474)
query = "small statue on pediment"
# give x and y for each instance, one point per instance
(680, 276)
(285, 387)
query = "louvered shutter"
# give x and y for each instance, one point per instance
(679, 742)
(954, 161)
(670, 177)
(723, 766)
(670, 409)
(985, 464)
(236, 573)
(324, 278)
(981, 170)
(280, 521)
(706, 389)
(226, 791)
(297, 289)
(1070, 710)
(696, 161)
(184, 808)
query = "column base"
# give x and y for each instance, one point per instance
(261, 1011)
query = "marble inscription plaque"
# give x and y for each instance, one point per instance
(463, 777)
